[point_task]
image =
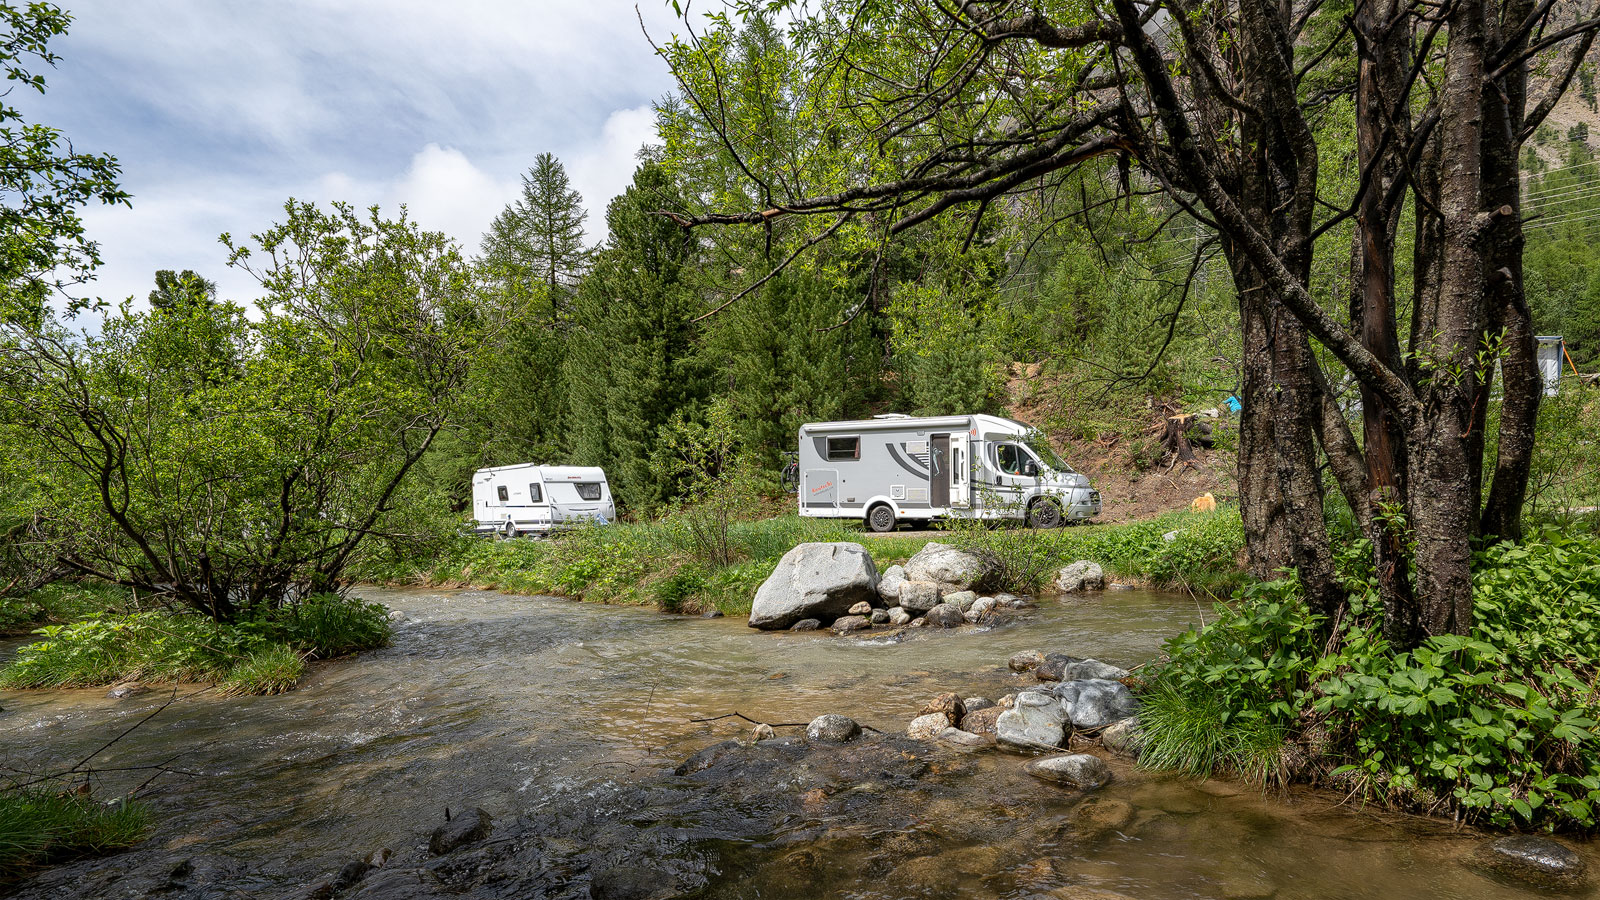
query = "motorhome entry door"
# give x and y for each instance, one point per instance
(960, 471)
(939, 469)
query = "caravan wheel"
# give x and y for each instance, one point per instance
(1044, 513)
(880, 518)
(509, 531)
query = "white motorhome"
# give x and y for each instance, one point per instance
(530, 499)
(892, 469)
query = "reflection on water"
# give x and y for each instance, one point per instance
(533, 707)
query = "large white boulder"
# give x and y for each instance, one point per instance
(1082, 575)
(950, 568)
(815, 581)
(1036, 721)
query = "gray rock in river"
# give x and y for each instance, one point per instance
(1095, 702)
(926, 727)
(1025, 661)
(1060, 667)
(980, 608)
(832, 729)
(963, 740)
(1079, 770)
(950, 568)
(889, 584)
(807, 625)
(815, 581)
(1035, 722)
(126, 689)
(1535, 860)
(847, 624)
(880, 617)
(973, 704)
(918, 596)
(1123, 738)
(465, 828)
(1082, 575)
(898, 616)
(963, 599)
(946, 615)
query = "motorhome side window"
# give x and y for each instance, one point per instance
(501, 493)
(588, 490)
(534, 494)
(844, 448)
(1012, 459)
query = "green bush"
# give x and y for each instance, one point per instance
(184, 647)
(39, 827)
(1497, 726)
(59, 601)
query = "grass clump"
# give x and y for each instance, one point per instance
(1497, 726)
(264, 654)
(40, 827)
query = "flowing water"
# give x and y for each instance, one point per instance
(564, 721)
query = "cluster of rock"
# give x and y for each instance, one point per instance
(837, 586)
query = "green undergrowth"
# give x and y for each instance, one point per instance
(1497, 726)
(656, 564)
(261, 655)
(61, 601)
(39, 827)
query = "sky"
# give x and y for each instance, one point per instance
(221, 110)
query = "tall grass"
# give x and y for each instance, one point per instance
(39, 827)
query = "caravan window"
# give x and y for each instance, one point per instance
(1012, 459)
(534, 494)
(588, 490)
(844, 448)
(501, 493)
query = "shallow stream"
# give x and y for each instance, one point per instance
(564, 721)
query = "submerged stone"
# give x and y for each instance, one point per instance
(1079, 770)
(1535, 860)
(464, 829)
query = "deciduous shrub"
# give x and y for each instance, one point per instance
(1497, 726)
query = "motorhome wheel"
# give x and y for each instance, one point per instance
(1044, 513)
(880, 518)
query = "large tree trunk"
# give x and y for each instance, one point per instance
(1260, 495)
(1442, 508)
(1506, 305)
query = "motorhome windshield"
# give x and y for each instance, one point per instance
(1047, 455)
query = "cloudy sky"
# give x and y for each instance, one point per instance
(220, 110)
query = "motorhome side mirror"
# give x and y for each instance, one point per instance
(1030, 469)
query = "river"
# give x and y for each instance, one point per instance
(564, 720)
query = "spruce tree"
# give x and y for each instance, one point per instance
(535, 246)
(632, 359)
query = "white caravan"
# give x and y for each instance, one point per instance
(530, 499)
(894, 468)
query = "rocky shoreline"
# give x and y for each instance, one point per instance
(836, 586)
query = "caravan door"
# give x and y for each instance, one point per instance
(960, 471)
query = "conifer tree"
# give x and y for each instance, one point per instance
(535, 246)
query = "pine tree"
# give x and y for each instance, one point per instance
(535, 246)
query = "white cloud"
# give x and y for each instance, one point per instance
(604, 169)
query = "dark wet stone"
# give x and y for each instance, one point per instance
(981, 721)
(880, 617)
(806, 625)
(973, 704)
(848, 624)
(1095, 702)
(945, 615)
(1535, 860)
(711, 614)
(628, 883)
(1054, 666)
(464, 829)
(706, 758)
(398, 884)
(832, 729)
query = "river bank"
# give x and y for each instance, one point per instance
(658, 565)
(564, 721)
